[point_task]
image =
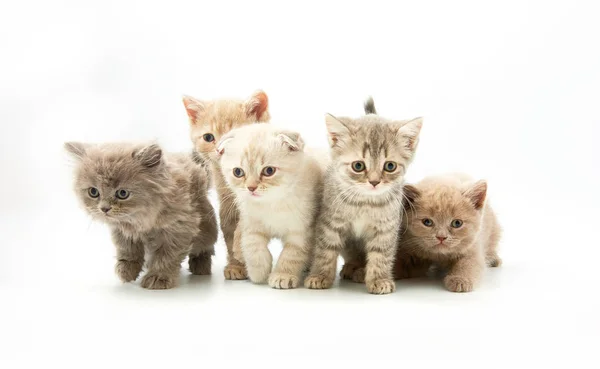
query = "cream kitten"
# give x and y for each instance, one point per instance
(448, 224)
(278, 189)
(361, 202)
(209, 121)
(155, 205)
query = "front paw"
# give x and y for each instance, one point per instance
(258, 275)
(283, 281)
(359, 275)
(128, 271)
(458, 284)
(381, 286)
(200, 264)
(318, 282)
(235, 272)
(158, 282)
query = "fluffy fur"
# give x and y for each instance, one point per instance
(280, 202)
(216, 118)
(362, 205)
(155, 205)
(450, 225)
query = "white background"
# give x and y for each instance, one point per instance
(509, 91)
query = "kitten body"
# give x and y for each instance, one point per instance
(155, 205)
(278, 189)
(361, 205)
(209, 121)
(449, 224)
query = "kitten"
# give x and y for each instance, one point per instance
(278, 188)
(155, 205)
(361, 201)
(448, 224)
(209, 121)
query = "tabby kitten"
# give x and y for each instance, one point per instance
(361, 201)
(278, 188)
(209, 121)
(449, 224)
(155, 205)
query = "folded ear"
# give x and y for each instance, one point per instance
(149, 156)
(336, 129)
(195, 108)
(257, 106)
(477, 194)
(223, 143)
(409, 132)
(76, 149)
(292, 140)
(411, 193)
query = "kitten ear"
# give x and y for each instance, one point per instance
(292, 140)
(370, 106)
(223, 142)
(336, 129)
(477, 194)
(76, 149)
(194, 107)
(257, 105)
(411, 193)
(409, 132)
(150, 156)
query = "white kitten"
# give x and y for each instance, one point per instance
(278, 190)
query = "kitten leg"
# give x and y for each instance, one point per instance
(229, 215)
(203, 245)
(236, 269)
(130, 257)
(165, 262)
(381, 251)
(259, 260)
(465, 273)
(328, 247)
(291, 263)
(354, 263)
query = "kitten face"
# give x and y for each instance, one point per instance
(259, 162)
(117, 183)
(445, 217)
(211, 120)
(370, 154)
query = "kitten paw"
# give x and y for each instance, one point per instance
(259, 275)
(318, 282)
(458, 284)
(494, 262)
(381, 286)
(158, 282)
(235, 272)
(359, 275)
(348, 271)
(200, 264)
(128, 271)
(283, 281)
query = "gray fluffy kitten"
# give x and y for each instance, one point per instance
(362, 204)
(155, 205)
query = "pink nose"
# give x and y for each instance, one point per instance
(442, 239)
(251, 188)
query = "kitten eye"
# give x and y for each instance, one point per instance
(122, 194)
(93, 192)
(456, 223)
(268, 171)
(208, 137)
(427, 222)
(358, 166)
(390, 166)
(238, 172)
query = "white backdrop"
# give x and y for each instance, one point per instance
(509, 91)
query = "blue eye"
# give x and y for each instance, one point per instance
(238, 172)
(358, 166)
(93, 192)
(427, 222)
(122, 194)
(268, 171)
(456, 223)
(390, 166)
(208, 137)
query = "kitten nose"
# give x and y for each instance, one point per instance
(374, 183)
(105, 209)
(251, 188)
(442, 239)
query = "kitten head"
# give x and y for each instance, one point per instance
(444, 215)
(260, 161)
(370, 154)
(211, 120)
(118, 183)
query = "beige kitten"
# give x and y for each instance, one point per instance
(155, 205)
(278, 188)
(209, 121)
(448, 224)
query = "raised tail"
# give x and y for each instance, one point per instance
(370, 106)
